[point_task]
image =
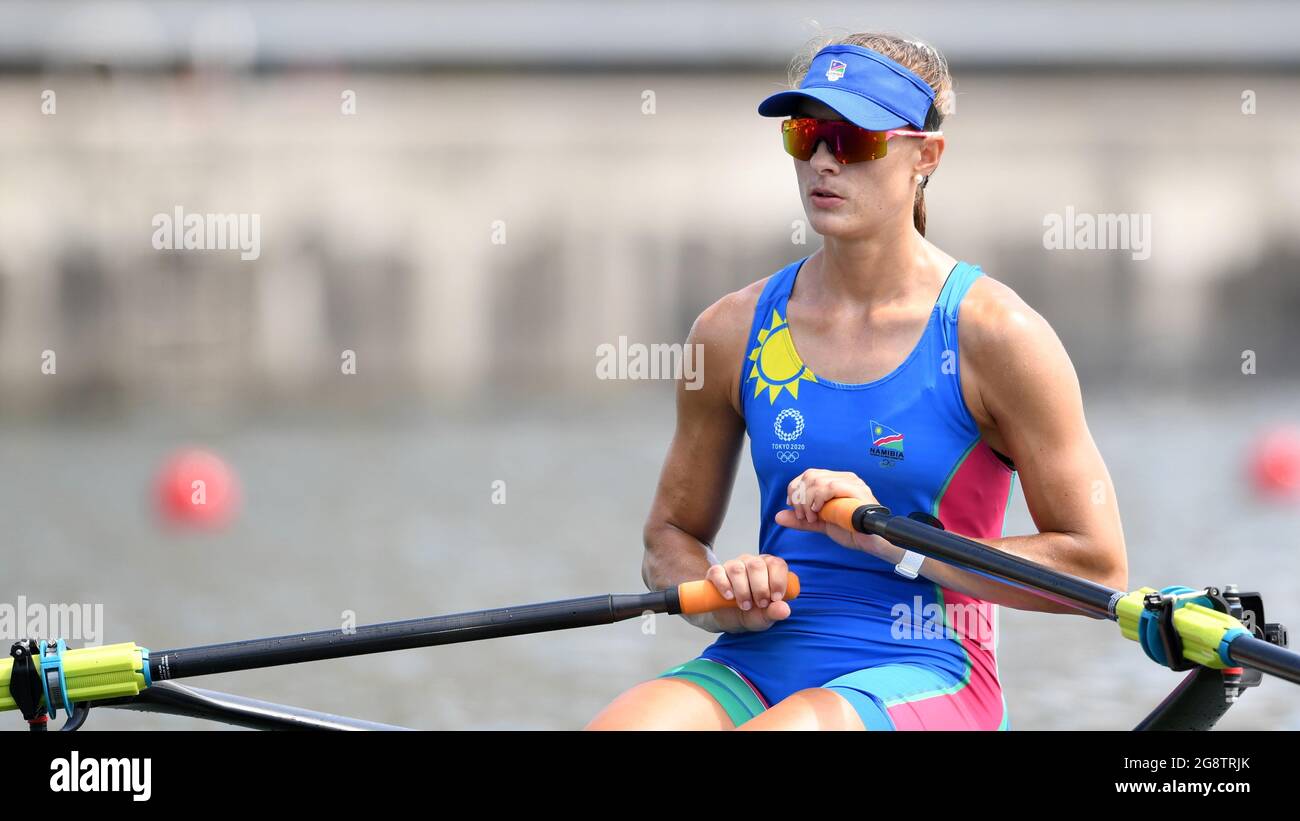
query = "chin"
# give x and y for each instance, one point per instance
(829, 225)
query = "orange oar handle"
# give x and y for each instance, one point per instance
(840, 511)
(703, 597)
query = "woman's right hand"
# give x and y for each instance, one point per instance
(758, 585)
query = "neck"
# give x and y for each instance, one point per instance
(892, 267)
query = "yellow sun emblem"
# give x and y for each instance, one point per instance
(776, 364)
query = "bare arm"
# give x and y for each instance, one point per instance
(1025, 394)
(700, 469)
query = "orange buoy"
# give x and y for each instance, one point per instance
(196, 488)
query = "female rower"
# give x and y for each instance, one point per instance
(853, 377)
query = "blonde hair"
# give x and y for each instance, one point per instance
(921, 58)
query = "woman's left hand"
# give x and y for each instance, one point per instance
(812, 489)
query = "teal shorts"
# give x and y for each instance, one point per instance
(888, 697)
(740, 699)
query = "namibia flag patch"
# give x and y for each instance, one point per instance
(885, 441)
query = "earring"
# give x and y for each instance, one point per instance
(919, 177)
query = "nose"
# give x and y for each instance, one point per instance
(822, 155)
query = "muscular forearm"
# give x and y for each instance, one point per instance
(1064, 552)
(673, 556)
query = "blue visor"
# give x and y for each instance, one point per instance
(867, 88)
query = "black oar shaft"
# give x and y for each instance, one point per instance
(1089, 597)
(1249, 651)
(401, 635)
(1092, 598)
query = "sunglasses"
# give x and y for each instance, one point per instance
(848, 142)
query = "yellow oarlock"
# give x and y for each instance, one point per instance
(92, 673)
(1201, 629)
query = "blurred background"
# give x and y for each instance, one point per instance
(466, 199)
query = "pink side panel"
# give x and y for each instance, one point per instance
(973, 505)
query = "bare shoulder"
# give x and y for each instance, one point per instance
(1012, 361)
(995, 318)
(726, 322)
(721, 331)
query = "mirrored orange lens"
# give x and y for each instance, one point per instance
(846, 141)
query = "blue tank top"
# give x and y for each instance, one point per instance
(911, 438)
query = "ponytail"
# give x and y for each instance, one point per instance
(933, 121)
